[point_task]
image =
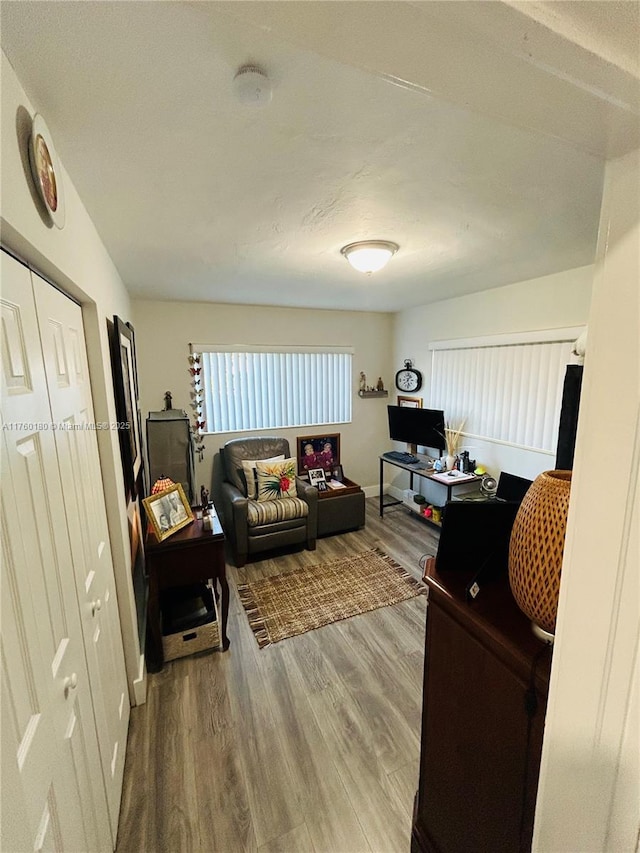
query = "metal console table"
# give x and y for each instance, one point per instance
(418, 469)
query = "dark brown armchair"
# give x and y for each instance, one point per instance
(253, 526)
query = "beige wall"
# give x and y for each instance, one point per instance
(74, 258)
(165, 329)
(553, 301)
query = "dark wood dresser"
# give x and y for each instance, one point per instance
(485, 692)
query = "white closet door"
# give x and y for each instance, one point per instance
(63, 347)
(50, 757)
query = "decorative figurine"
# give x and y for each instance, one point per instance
(363, 381)
(380, 385)
(204, 500)
(167, 401)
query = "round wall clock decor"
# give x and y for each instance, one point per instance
(408, 379)
(46, 170)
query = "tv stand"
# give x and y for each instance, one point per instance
(416, 471)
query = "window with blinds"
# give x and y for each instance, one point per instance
(260, 388)
(506, 389)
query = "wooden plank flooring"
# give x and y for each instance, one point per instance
(307, 746)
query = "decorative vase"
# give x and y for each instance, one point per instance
(536, 549)
(450, 461)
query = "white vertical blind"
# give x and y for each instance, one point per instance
(508, 391)
(264, 389)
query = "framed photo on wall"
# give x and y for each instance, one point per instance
(410, 402)
(125, 386)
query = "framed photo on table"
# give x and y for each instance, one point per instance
(168, 511)
(337, 473)
(410, 402)
(318, 479)
(317, 451)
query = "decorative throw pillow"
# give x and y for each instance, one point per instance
(251, 475)
(276, 479)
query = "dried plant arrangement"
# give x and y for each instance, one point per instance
(452, 435)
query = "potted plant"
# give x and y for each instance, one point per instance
(452, 436)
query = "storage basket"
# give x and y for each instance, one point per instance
(192, 640)
(190, 622)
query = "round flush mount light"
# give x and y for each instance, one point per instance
(369, 255)
(252, 86)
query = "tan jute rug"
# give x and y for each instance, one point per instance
(295, 602)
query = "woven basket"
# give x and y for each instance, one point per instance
(537, 546)
(189, 642)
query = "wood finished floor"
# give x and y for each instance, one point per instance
(307, 746)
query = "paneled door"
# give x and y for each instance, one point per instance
(63, 347)
(53, 795)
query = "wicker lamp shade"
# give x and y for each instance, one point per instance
(537, 546)
(161, 484)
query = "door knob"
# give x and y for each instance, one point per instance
(70, 683)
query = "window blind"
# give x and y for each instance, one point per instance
(505, 389)
(266, 389)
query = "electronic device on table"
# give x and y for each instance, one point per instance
(424, 427)
(404, 458)
(512, 487)
(476, 535)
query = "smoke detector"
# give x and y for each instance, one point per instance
(252, 86)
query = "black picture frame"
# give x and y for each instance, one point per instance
(125, 386)
(337, 473)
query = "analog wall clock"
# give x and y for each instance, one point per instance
(408, 379)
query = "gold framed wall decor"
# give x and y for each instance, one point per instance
(410, 402)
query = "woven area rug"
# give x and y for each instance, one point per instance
(295, 602)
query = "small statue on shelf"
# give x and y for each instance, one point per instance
(167, 401)
(380, 385)
(363, 381)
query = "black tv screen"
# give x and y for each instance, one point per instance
(417, 426)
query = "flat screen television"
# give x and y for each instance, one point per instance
(417, 426)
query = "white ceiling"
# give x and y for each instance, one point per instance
(487, 172)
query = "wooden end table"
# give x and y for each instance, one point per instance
(192, 555)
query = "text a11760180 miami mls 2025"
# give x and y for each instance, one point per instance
(52, 426)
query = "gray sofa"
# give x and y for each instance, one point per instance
(229, 489)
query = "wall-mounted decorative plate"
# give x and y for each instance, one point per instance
(46, 170)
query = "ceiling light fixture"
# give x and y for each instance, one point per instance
(252, 86)
(369, 255)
